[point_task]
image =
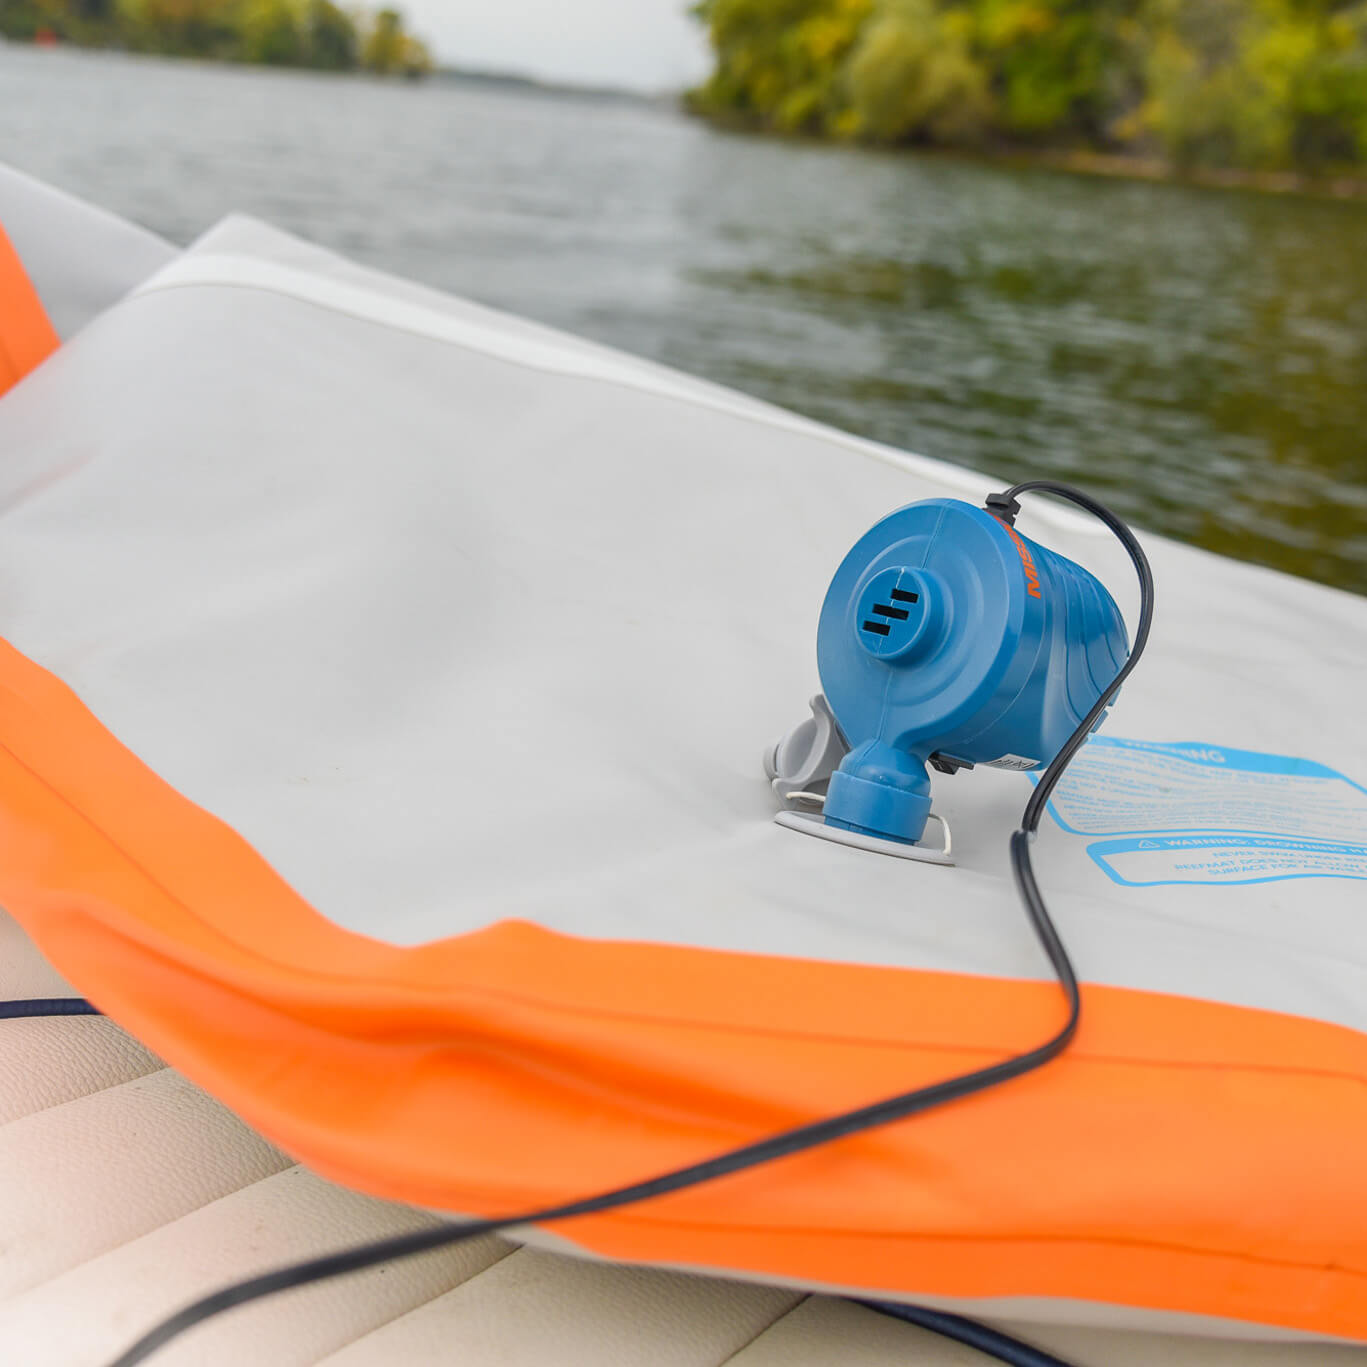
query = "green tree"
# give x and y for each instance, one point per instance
(192, 28)
(780, 63)
(913, 76)
(1237, 83)
(417, 58)
(279, 32)
(1272, 84)
(389, 51)
(382, 49)
(270, 33)
(1062, 66)
(19, 19)
(331, 41)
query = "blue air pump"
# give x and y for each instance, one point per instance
(946, 639)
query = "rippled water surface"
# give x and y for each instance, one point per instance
(1198, 356)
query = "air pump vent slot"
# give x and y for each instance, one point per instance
(878, 628)
(902, 596)
(883, 610)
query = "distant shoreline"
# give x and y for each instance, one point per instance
(1118, 167)
(456, 75)
(1109, 166)
(536, 85)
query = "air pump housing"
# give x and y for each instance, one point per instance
(949, 638)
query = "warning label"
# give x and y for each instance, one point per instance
(1205, 814)
(1225, 859)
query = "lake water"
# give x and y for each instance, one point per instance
(1197, 357)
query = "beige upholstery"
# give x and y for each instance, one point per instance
(125, 1191)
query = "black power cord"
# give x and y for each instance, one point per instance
(803, 1137)
(969, 1332)
(46, 1006)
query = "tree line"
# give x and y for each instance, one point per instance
(1249, 84)
(304, 33)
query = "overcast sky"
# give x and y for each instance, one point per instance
(638, 44)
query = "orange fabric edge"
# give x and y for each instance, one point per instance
(26, 334)
(1185, 1156)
